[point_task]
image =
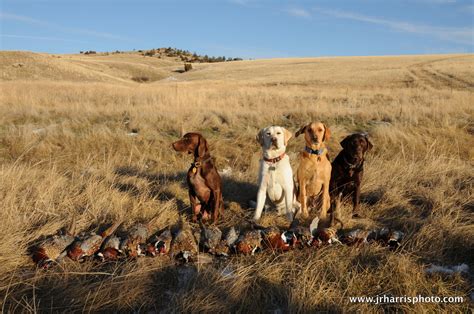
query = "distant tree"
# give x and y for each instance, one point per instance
(150, 53)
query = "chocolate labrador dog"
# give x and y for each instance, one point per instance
(348, 169)
(204, 182)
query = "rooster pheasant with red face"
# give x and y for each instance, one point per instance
(134, 242)
(160, 245)
(249, 242)
(89, 244)
(275, 239)
(328, 236)
(110, 250)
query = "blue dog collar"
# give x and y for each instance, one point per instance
(314, 151)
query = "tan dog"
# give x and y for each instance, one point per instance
(314, 171)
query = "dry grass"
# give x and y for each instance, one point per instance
(64, 149)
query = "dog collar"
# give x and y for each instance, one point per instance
(274, 160)
(314, 151)
(351, 166)
(198, 163)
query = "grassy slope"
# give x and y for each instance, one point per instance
(116, 68)
(64, 149)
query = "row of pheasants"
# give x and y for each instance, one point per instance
(184, 242)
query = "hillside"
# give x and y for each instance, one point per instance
(115, 68)
(442, 71)
(79, 137)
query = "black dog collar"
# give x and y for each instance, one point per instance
(314, 151)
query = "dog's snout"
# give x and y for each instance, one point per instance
(176, 146)
(274, 139)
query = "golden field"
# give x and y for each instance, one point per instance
(65, 149)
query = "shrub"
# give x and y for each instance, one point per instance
(141, 79)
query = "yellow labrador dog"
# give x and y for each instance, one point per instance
(275, 177)
(314, 170)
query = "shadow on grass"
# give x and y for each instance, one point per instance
(151, 285)
(233, 190)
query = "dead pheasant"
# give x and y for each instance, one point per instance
(90, 244)
(210, 237)
(160, 245)
(271, 237)
(358, 237)
(328, 236)
(391, 238)
(184, 247)
(136, 238)
(110, 250)
(249, 242)
(306, 236)
(53, 249)
(227, 244)
(275, 239)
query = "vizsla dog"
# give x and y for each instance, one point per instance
(348, 169)
(314, 170)
(204, 182)
(275, 177)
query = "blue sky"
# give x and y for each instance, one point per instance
(241, 28)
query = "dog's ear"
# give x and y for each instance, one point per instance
(369, 144)
(345, 142)
(327, 133)
(259, 137)
(301, 130)
(202, 147)
(287, 135)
